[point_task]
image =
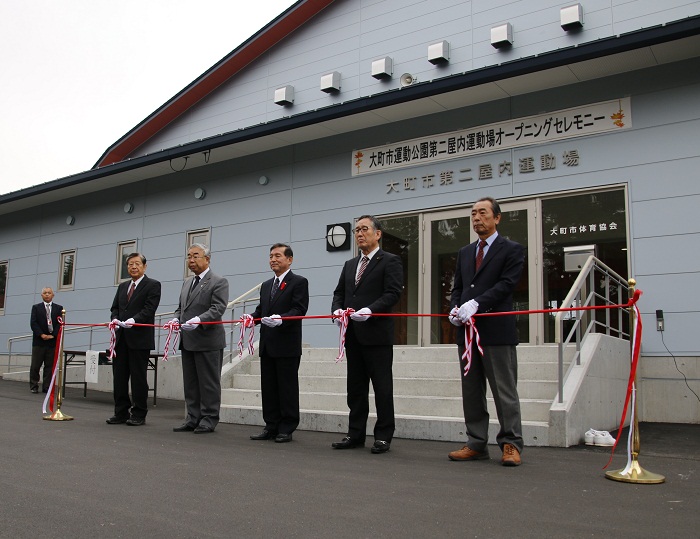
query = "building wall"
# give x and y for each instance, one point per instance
(349, 34)
(311, 186)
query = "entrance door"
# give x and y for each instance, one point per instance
(444, 234)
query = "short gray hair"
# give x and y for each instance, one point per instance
(205, 248)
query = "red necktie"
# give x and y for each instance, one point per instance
(480, 254)
(131, 291)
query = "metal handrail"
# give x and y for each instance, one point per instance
(243, 300)
(594, 276)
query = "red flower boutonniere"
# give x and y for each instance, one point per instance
(283, 285)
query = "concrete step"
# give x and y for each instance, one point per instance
(449, 429)
(532, 409)
(438, 387)
(534, 370)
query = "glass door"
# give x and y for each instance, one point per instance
(444, 234)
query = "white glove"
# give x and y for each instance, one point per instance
(119, 323)
(272, 321)
(454, 317)
(337, 314)
(191, 324)
(362, 315)
(173, 321)
(127, 323)
(467, 310)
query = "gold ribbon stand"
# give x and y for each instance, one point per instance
(58, 415)
(634, 473)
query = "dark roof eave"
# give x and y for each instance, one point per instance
(604, 47)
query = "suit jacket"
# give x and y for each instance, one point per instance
(379, 290)
(39, 325)
(208, 301)
(492, 287)
(142, 308)
(291, 299)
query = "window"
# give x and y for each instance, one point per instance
(3, 285)
(66, 270)
(124, 249)
(202, 236)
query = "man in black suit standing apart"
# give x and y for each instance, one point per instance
(203, 298)
(487, 273)
(135, 302)
(370, 283)
(287, 294)
(44, 323)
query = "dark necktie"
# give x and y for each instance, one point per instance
(480, 254)
(48, 317)
(130, 292)
(363, 267)
(194, 285)
(275, 287)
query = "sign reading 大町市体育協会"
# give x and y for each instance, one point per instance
(576, 122)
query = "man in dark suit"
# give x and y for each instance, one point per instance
(487, 273)
(135, 302)
(287, 294)
(370, 284)
(44, 323)
(203, 298)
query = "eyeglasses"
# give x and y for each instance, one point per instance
(361, 229)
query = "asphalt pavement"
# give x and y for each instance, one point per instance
(87, 479)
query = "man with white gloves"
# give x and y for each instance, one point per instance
(370, 284)
(135, 302)
(203, 298)
(285, 295)
(487, 273)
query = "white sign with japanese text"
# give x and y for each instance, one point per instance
(592, 119)
(91, 361)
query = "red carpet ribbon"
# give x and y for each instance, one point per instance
(246, 321)
(173, 329)
(344, 318)
(470, 333)
(636, 346)
(50, 394)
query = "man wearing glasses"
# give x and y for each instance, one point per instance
(370, 284)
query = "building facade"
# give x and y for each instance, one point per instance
(581, 119)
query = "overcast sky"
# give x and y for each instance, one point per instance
(79, 74)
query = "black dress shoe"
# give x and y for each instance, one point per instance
(136, 421)
(203, 429)
(282, 438)
(114, 420)
(34, 390)
(264, 435)
(348, 443)
(185, 427)
(380, 446)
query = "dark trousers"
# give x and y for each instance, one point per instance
(279, 383)
(41, 356)
(367, 363)
(201, 379)
(499, 365)
(130, 364)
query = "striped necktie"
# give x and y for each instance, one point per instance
(363, 267)
(480, 254)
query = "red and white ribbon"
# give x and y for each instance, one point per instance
(112, 326)
(50, 394)
(246, 321)
(636, 336)
(470, 333)
(173, 329)
(344, 318)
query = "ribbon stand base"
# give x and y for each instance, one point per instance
(635, 474)
(58, 416)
